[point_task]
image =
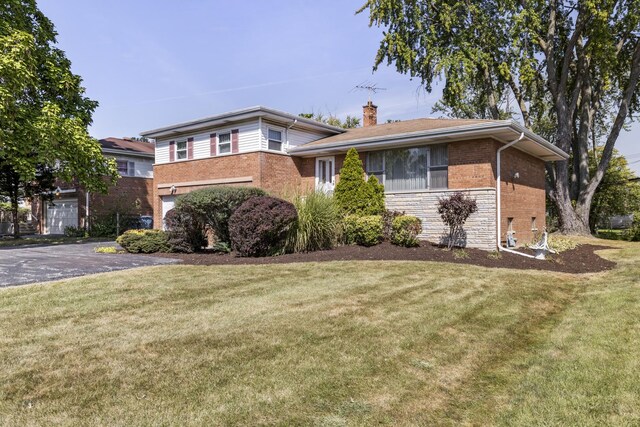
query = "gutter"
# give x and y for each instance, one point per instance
(498, 207)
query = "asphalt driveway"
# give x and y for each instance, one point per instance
(22, 265)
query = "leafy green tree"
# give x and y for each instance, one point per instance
(349, 122)
(355, 195)
(569, 70)
(616, 194)
(44, 114)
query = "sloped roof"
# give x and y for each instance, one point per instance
(127, 146)
(396, 128)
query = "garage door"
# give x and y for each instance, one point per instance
(64, 213)
(167, 204)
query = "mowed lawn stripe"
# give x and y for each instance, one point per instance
(341, 343)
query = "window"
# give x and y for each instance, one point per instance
(126, 168)
(275, 140)
(181, 150)
(510, 225)
(224, 143)
(533, 224)
(409, 169)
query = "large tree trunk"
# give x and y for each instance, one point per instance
(572, 220)
(15, 218)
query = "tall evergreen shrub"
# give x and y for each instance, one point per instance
(355, 195)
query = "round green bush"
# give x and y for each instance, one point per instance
(405, 230)
(363, 230)
(261, 226)
(144, 241)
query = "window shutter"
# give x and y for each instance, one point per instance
(190, 148)
(131, 169)
(234, 141)
(212, 144)
(172, 151)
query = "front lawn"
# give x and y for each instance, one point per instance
(335, 343)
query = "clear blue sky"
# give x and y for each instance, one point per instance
(153, 63)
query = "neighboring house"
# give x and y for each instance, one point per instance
(133, 193)
(418, 161)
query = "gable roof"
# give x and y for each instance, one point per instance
(123, 145)
(410, 132)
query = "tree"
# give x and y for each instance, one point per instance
(616, 194)
(44, 114)
(355, 195)
(454, 211)
(571, 68)
(349, 122)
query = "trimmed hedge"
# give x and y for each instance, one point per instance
(213, 207)
(363, 230)
(261, 226)
(144, 241)
(405, 230)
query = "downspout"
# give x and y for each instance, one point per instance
(498, 206)
(86, 205)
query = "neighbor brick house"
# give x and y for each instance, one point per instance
(133, 192)
(417, 161)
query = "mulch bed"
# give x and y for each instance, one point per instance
(582, 259)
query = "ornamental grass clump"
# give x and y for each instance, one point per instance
(319, 223)
(454, 211)
(261, 226)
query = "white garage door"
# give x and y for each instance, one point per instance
(63, 214)
(167, 204)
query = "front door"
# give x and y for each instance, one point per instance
(325, 174)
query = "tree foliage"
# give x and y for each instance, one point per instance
(355, 195)
(616, 194)
(44, 113)
(568, 70)
(349, 122)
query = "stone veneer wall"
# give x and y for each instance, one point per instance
(480, 227)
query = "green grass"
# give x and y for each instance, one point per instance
(611, 234)
(7, 242)
(342, 343)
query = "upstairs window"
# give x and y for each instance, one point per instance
(181, 150)
(224, 143)
(125, 168)
(275, 140)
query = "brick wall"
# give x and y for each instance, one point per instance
(129, 195)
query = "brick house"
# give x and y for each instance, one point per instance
(133, 192)
(417, 161)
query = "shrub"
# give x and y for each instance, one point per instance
(363, 230)
(353, 194)
(108, 225)
(454, 211)
(213, 207)
(261, 226)
(387, 222)
(560, 243)
(105, 250)
(633, 233)
(74, 232)
(405, 231)
(144, 241)
(185, 233)
(318, 226)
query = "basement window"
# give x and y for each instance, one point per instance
(510, 225)
(533, 224)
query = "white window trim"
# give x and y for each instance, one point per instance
(282, 139)
(186, 150)
(131, 167)
(224, 132)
